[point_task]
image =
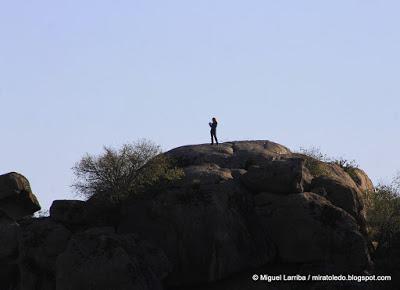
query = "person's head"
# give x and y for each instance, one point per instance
(214, 120)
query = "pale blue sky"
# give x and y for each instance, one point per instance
(77, 75)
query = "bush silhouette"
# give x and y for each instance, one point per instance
(118, 173)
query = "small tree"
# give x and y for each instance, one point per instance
(116, 173)
(383, 211)
(314, 152)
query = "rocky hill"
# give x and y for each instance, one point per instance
(241, 208)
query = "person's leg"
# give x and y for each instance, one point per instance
(214, 137)
(212, 140)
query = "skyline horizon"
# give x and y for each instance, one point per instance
(76, 76)
(376, 181)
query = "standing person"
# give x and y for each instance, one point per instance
(213, 131)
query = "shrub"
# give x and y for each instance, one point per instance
(383, 221)
(314, 159)
(383, 212)
(315, 153)
(118, 173)
(349, 166)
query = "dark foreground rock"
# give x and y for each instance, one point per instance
(208, 231)
(315, 231)
(99, 259)
(240, 207)
(41, 241)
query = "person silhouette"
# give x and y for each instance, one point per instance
(213, 131)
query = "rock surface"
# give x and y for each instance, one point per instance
(99, 259)
(16, 197)
(211, 224)
(339, 193)
(315, 231)
(278, 176)
(240, 206)
(41, 241)
(362, 180)
(207, 231)
(9, 230)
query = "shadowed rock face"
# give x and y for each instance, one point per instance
(307, 228)
(16, 202)
(100, 259)
(208, 231)
(16, 197)
(279, 176)
(244, 204)
(240, 206)
(41, 241)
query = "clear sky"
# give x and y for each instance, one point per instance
(77, 75)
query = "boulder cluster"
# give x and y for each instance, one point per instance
(241, 208)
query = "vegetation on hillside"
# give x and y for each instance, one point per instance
(382, 205)
(315, 159)
(383, 211)
(383, 220)
(118, 173)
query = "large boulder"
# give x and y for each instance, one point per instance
(69, 211)
(16, 202)
(248, 153)
(362, 180)
(319, 168)
(240, 207)
(208, 230)
(78, 214)
(16, 197)
(206, 174)
(278, 176)
(9, 230)
(41, 241)
(307, 228)
(100, 259)
(238, 154)
(343, 195)
(13, 184)
(9, 274)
